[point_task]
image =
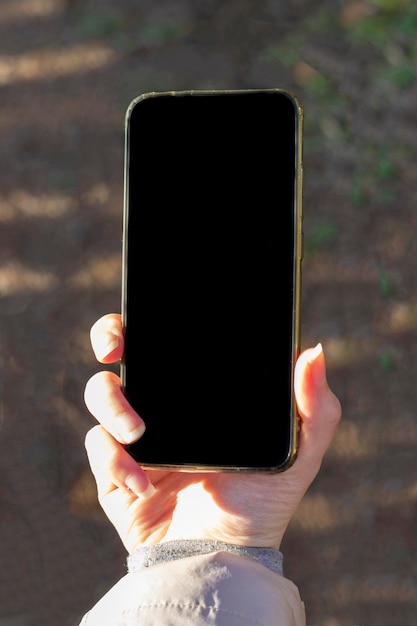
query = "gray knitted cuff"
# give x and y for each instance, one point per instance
(148, 556)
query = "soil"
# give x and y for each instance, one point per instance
(68, 70)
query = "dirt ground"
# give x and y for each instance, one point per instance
(68, 70)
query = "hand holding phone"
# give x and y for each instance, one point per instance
(248, 508)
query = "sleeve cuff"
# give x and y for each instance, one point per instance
(147, 556)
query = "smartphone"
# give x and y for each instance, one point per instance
(212, 250)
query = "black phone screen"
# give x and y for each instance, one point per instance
(210, 277)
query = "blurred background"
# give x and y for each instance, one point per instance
(68, 70)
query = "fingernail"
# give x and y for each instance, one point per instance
(105, 344)
(136, 484)
(316, 351)
(319, 371)
(129, 428)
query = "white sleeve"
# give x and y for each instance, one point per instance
(216, 589)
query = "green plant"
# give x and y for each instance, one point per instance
(387, 361)
(102, 25)
(385, 281)
(385, 165)
(320, 235)
(157, 33)
(357, 194)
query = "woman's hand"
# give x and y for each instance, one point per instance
(154, 506)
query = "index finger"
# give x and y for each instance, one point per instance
(107, 338)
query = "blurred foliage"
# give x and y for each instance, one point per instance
(321, 234)
(387, 361)
(102, 25)
(385, 166)
(391, 23)
(126, 31)
(358, 193)
(382, 34)
(386, 283)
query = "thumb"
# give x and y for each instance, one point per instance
(318, 407)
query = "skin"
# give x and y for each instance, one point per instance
(148, 507)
